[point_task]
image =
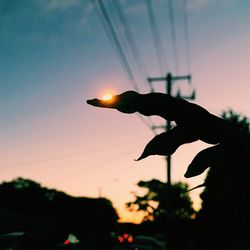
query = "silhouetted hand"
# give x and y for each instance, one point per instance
(193, 123)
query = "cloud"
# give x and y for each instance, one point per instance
(41, 21)
(82, 10)
(194, 5)
(7, 6)
(51, 5)
(11, 7)
(87, 11)
(135, 8)
(198, 4)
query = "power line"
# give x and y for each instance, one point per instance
(148, 123)
(130, 40)
(65, 156)
(173, 35)
(156, 37)
(109, 28)
(135, 53)
(186, 34)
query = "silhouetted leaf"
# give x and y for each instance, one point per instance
(166, 143)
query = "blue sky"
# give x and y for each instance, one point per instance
(55, 54)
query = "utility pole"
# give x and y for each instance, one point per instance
(169, 79)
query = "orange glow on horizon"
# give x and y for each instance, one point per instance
(130, 217)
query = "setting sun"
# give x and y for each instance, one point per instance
(107, 97)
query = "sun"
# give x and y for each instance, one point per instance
(107, 97)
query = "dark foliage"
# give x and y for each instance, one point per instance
(226, 203)
(161, 198)
(31, 199)
(225, 214)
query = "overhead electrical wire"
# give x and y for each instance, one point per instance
(134, 51)
(67, 156)
(130, 40)
(109, 28)
(116, 40)
(173, 35)
(112, 34)
(156, 38)
(186, 35)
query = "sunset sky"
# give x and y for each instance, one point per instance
(56, 54)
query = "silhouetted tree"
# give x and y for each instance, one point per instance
(225, 199)
(156, 202)
(80, 213)
(165, 206)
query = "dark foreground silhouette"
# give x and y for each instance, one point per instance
(193, 123)
(225, 215)
(47, 216)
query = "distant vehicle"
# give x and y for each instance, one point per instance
(7, 239)
(68, 243)
(125, 239)
(137, 242)
(144, 242)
